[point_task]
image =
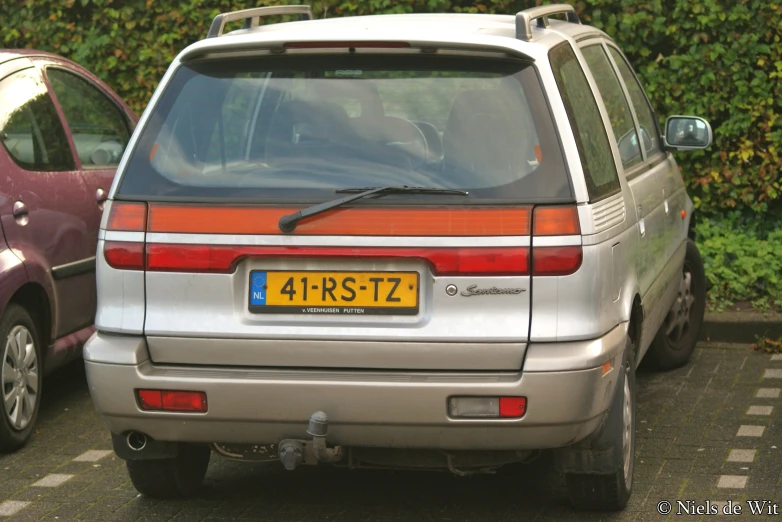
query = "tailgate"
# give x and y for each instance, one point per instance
(447, 303)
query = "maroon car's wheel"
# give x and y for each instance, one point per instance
(20, 377)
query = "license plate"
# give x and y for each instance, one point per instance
(340, 293)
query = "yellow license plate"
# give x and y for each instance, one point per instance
(340, 293)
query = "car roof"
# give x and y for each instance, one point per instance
(478, 30)
(11, 54)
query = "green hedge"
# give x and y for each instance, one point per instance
(720, 59)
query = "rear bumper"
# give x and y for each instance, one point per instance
(564, 383)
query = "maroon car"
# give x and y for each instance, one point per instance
(63, 132)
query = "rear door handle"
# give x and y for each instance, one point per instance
(665, 202)
(641, 223)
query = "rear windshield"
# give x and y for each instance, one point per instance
(299, 128)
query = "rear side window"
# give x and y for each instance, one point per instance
(30, 128)
(300, 128)
(616, 105)
(584, 115)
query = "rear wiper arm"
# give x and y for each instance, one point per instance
(288, 222)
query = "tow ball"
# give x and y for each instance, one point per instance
(293, 452)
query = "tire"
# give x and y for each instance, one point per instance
(180, 476)
(675, 341)
(610, 489)
(20, 377)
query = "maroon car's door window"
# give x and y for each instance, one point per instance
(100, 132)
(30, 128)
(47, 213)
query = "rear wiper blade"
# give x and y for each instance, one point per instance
(288, 222)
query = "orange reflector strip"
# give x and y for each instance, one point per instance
(684, 214)
(128, 217)
(539, 153)
(190, 219)
(153, 152)
(607, 367)
(556, 221)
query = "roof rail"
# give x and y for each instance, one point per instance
(253, 16)
(524, 18)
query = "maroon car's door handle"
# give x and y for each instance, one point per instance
(20, 213)
(19, 210)
(101, 195)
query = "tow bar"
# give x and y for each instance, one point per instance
(294, 452)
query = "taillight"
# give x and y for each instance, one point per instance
(477, 261)
(555, 221)
(487, 407)
(175, 401)
(124, 255)
(555, 260)
(420, 222)
(127, 217)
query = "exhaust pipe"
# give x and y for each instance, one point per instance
(136, 441)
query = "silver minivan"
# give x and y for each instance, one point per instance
(407, 241)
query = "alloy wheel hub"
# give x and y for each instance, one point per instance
(678, 320)
(19, 377)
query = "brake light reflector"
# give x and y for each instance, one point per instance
(495, 261)
(168, 400)
(150, 399)
(127, 217)
(512, 407)
(556, 261)
(555, 221)
(124, 255)
(346, 45)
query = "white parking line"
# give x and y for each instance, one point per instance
(746, 430)
(773, 374)
(760, 410)
(92, 455)
(11, 507)
(53, 480)
(768, 393)
(741, 455)
(776, 357)
(732, 482)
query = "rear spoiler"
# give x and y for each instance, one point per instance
(222, 48)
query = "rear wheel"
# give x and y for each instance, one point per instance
(675, 341)
(180, 476)
(20, 377)
(608, 487)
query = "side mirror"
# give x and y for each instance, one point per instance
(687, 133)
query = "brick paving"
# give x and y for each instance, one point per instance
(707, 432)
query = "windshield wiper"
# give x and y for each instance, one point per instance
(288, 222)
